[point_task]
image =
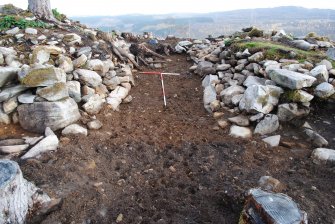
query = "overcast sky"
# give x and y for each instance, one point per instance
(120, 7)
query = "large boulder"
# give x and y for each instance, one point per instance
(258, 98)
(56, 115)
(291, 80)
(43, 77)
(303, 45)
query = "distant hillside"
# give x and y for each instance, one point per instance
(295, 20)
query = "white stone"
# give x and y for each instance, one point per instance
(73, 88)
(324, 90)
(88, 77)
(13, 31)
(209, 95)
(291, 80)
(258, 98)
(320, 72)
(230, 92)
(94, 104)
(323, 156)
(26, 98)
(74, 129)
(273, 141)
(240, 132)
(240, 120)
(49, 143)
(31, 31)
(94, 125)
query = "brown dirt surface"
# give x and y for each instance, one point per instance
(156, 165)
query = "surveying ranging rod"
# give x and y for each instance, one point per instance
(161, 74)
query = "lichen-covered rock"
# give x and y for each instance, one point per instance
(43, 77)
(299, 96)
(56, 92)
(56, 115)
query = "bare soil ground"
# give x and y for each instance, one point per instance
(156, 165)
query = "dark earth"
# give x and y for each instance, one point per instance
(154, 165)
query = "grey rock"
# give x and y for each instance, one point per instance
(209, 80)
(235, 100)
(209, 95)
(9, 142)
(66, 64)
(256, 117)
(80, 62)
(327, 63)
(13, 31)
(223, 67)
(7, 74)
(49, 143)
(26, 98)
(258, 98)
(289, 111)
(205, 68)
(88, 77)
(291, 80)
(230, 92)
(324, 90)
(74, 129)
(43, 77)
(56, 92)
(268, 125)
(323, 156)
(31, 31)
(331, 53)
(315, 138)
(87, 51)
(257, 57)
(13, 148)
(94, 125)
(56, 115)
(240, 132)
(10, 105)
(240, 120)
(95, 65)
(320, 72)
(7, 51)
(73, 88)
(72, 38)
(273, 141)
(254, 80)
(11, 92)
(94, 104)
(4, 118)
(303, 45)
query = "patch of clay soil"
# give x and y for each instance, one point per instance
(156, 165)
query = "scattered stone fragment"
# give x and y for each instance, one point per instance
(323, 156)
(240, 132)
(240, 120)
(94, 125)
(74, 129)
(316, 138)
(223, 123)
(269, 183)
(268, 125)
(273, 141)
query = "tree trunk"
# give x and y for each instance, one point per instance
(41, 9)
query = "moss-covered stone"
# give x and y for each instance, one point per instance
(256, 33)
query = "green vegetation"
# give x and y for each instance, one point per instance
(8, 22)
(59, 16)
(276, 51)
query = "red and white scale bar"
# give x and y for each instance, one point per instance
(161, 74)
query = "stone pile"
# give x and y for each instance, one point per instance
(60, 76)
(261, 93)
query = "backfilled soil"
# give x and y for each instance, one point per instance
(150, 164)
